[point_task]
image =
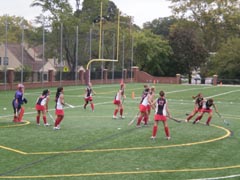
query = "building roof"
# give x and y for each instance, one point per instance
(30, 58)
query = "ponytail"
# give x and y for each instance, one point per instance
(59, 89)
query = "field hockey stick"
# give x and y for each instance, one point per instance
(134, 118)
(174, 119)
(224, 120)
(69, 105)
(51, 117)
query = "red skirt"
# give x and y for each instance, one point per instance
(40, 107)
(59, 112)
(158, 117)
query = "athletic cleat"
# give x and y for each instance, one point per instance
(122, 117)
(196, 121)
(186, 121)
(153, 137)
(56, 128)
(138, 126)
(46, 125)
(168, 138)
(38, 124)
(114, 117)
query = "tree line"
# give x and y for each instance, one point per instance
(200, 35)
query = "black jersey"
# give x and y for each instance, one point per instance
(199, 102)
(161, 106)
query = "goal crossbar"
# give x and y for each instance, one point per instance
(100, 60)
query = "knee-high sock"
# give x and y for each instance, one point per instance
(189, 117)
(145, 119)
(139, 120)
(38, 119)
(115, 112)
(20, 116)
(198, 118)
(166, 129)
(60, 119)
(121, 111)
(209, 119)
(57, 121)
(44, 119)
(154, 131)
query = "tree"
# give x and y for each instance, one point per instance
(152, 53)
(160, 26)
(86, 19)
(14, 29)
(218, 20)
(189, 51)
(226, 62)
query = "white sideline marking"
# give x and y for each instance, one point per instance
(216, 178)
(229, 92)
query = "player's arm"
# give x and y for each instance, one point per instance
(47, 100)
(153, 104)
(215, 108)
(167, 110)
(62, 99)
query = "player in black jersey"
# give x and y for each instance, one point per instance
(207, 108)
(197, 106)
(88, 96)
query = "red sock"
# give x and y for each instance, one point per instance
(121, 112)
(38, 119)
(115, 112)
(20, 116)
(209, 119)
(139, 120)
(189, 118)
(60, 120)
(145, 119)
(154, 132)
(44, 119)
(198, 118)
(166, 131)
(57, 121)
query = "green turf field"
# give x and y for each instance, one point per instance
(92, 145)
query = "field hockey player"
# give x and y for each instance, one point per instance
(118, 101)
(161, 106)
(42, 107)
(207, 108)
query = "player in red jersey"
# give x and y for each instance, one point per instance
(197, 106)
(42, 107)
(151, 95)
(143, 108)
(88, 96)
(118, 101)
(161, 107)
(207, 108)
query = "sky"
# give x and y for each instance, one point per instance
(141, 10)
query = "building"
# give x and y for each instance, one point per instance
(32, 58)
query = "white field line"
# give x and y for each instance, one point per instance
(216, 178)
(34, 112)
(221, 94)
(183, 90)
